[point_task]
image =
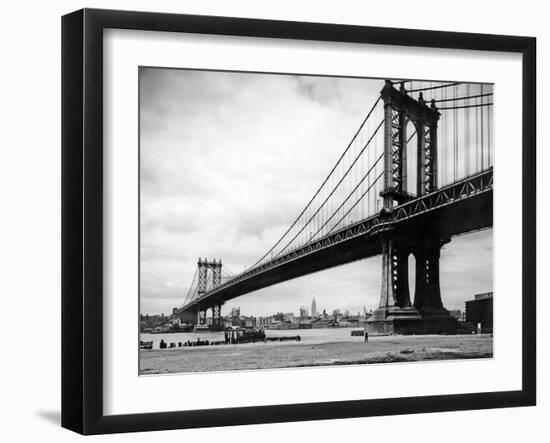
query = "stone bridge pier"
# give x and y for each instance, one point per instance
(396, 313)
(198, 314)
(217, 320)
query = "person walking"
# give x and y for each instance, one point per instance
(366, 337)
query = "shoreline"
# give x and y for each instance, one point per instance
(277, 355)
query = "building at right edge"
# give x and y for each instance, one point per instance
(480, 310)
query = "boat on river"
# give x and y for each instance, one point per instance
(145, 344)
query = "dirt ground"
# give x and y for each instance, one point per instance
(385, 349)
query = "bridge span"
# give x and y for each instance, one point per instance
(417, 223)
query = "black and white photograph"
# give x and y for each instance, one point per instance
(290, 220)
(275, 221)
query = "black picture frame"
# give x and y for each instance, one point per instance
(82, 219)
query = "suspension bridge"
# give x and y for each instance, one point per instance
(417, 172)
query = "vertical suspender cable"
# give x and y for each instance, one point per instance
(467, 133)
(344, 183)
(444, 144)
(437, 96)
(359, 168)
(476, 123)
(343, 187)
(455, 138)
(348, 179)
(368, 178)
(489, 129)
(481, 127)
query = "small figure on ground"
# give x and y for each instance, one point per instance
(366, 337)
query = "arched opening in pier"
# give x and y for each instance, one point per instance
(412, 276)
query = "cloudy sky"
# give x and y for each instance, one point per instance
(228, 160)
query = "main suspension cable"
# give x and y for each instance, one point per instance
(350, 194)
(322, 184)
(334, 189)
(356, 203)
(191, 287)
(433, 87)
(467, 97)
(479, 105)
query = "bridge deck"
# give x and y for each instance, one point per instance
(462, 207)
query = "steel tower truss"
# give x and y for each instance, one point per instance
(395, 306)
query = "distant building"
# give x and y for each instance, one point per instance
(480, 310)
(150, 322)
(483, 296)
(289, 317)
(284, 325)
(337, 315)
(164, 328)
(236, 312)
(264, 322)
(303, 312)
(313, 308)
(320, 324)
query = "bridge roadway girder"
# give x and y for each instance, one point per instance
(195, 313)
(461, 217)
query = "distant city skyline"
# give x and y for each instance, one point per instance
(301, 312)
(215, 147)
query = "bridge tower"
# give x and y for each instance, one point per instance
(396, 312)
(209, 270)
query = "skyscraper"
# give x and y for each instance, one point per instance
(313, 308)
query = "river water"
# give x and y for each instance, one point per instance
(313, 336)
